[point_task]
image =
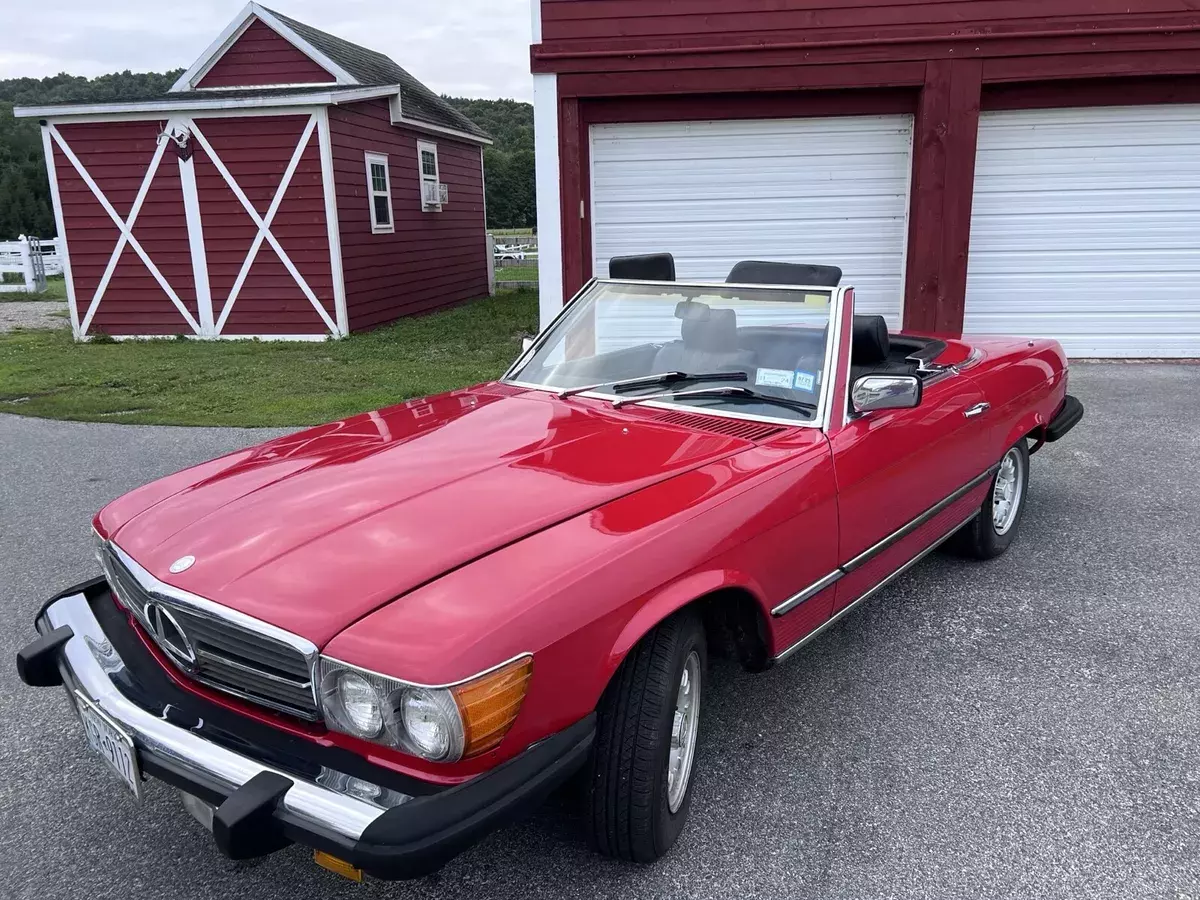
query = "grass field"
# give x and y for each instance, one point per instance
(56, 289)
(179, 382)
(516, 273)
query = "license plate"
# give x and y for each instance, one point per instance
(111, 744)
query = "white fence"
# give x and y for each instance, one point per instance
(515, 250)
(32, 259)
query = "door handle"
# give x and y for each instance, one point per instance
(977, 410)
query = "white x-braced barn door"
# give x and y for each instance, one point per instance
(211, 227)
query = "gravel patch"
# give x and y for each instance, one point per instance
(32, 314)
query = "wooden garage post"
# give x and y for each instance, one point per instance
(944, 145)
(574, 212)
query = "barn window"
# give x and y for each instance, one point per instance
(379, 189)
(431, 198)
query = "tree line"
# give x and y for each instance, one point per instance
(25, 205)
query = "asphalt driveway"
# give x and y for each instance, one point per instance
(1028, 727)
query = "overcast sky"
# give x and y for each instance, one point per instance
(465, 48)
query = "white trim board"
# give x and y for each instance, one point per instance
(433, 129)
(262, 105)
(332, 223)
(235, 29)
(549, 197)
(535, 21)
(219, 337)
(63, 245)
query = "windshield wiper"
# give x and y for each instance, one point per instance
(645, 381)
(737, 393)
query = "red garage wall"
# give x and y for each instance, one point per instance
(433, 259)
(678, 23)
(951, 56)
(257, 150)
(260, 56)
(117, 156)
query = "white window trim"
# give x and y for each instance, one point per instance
(436, 178)
(380, 159)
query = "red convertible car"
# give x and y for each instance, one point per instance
(384, 637)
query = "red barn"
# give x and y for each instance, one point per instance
(291, 185)
(994, 166)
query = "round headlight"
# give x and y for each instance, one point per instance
(431, 723)
(361, 709)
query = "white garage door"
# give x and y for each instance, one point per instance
(829, 190)
(1086, 228)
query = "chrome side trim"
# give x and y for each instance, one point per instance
(808, 593)
(905, 530)
(89, 662)
(871, 592)
(900, 533)
(833, 359)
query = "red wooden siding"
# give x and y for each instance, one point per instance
(432, 260)
(257, 150)
(663, 60)
(597, 26)
(117, 156)
(260, 56)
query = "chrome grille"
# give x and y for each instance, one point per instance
(232, 652)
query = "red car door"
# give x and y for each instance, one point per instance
(893, 470)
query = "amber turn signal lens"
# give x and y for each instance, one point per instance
(337, 866)
(489, 705)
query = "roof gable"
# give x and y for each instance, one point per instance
(251, 15)
(260, 56)
(346, 64)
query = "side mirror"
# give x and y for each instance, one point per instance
(873, 393)
(526, 344)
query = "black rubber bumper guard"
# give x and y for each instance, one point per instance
(1070, 415)
(411, 840)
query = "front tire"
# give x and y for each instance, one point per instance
(640, 780)
(991, 532)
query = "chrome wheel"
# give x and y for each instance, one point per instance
(1008, 491)
(684, 728)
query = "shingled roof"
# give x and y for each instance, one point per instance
(372, 69)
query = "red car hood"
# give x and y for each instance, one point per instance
(313, 531)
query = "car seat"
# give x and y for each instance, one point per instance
(710, 343)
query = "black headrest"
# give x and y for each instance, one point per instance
(753, 272)
(716, 332)
(648, 267)
(871, 343)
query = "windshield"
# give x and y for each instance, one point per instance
(758, 351)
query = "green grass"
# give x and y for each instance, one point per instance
(176, 382)
(56, 289)
(517, 273)
(511, 232)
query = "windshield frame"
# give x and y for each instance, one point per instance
(820, 419)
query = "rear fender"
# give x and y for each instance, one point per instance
(1031, 421)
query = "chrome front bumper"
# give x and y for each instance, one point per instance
(88, 663)
(279, 789)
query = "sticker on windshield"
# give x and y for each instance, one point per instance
(780, 378)
(805, 381)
